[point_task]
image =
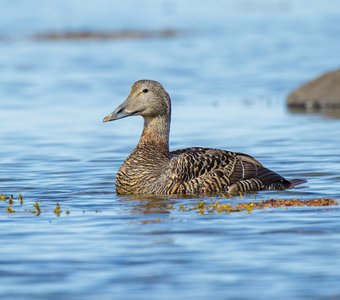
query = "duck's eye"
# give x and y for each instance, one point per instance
(145, 90)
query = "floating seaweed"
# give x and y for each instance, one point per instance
(57, 210)
(37, 210)
(10, 210)
(203, 207)
(10, 200)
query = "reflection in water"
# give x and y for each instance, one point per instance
(149, 204)
(333, 113)
(161, 204)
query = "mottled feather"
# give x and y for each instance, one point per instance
(152, 169)
(206, 171)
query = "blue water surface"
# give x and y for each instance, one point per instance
(228, 69)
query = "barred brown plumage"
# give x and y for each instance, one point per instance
(152, 169)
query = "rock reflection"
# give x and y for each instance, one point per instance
(331, 113)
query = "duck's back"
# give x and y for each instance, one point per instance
(207, 171)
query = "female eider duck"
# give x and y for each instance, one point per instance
(152, 169)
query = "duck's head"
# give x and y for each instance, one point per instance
(147, 98)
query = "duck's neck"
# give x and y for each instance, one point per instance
(156, 134)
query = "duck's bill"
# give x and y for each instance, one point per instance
(117, 114)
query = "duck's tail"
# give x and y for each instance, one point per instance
(295, 182)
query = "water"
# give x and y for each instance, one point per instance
(228, 71)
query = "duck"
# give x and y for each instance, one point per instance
(152, 169)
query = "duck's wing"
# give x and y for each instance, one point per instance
(195, 162)
(206, 170)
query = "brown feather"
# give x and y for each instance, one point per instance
(152, 169)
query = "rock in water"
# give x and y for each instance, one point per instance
(322, 92)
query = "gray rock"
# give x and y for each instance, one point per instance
(321, 93)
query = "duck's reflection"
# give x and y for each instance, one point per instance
(144, 205)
